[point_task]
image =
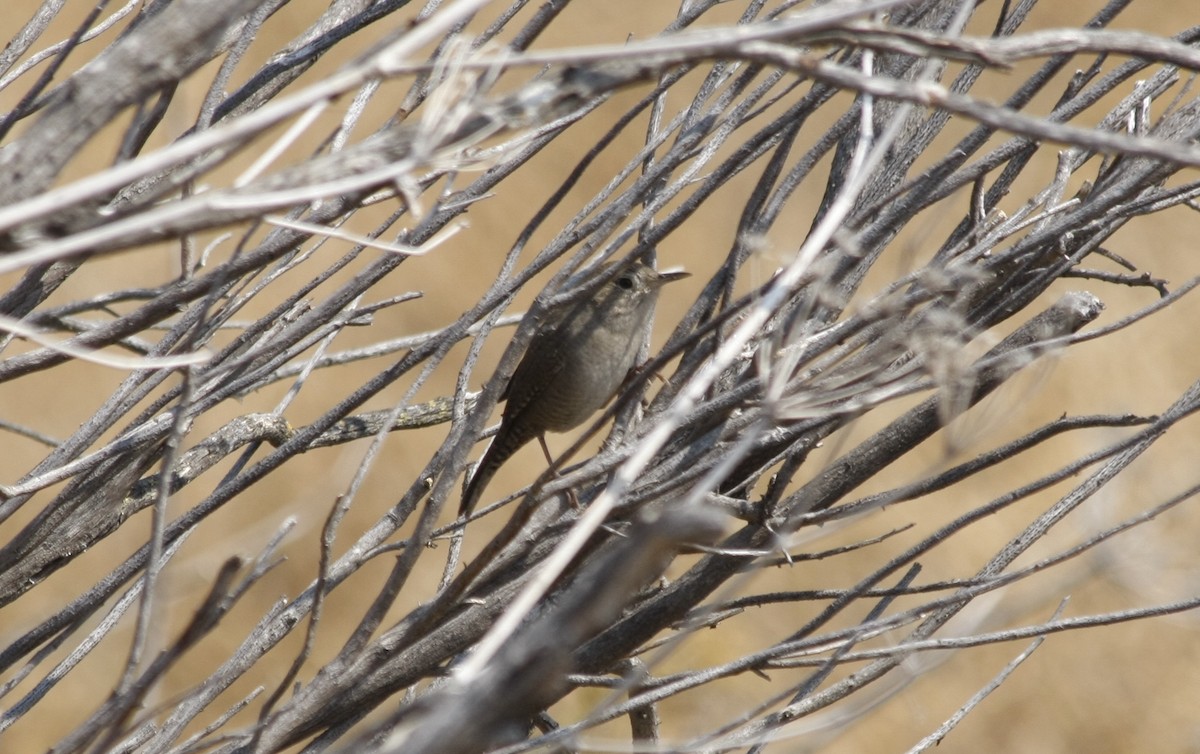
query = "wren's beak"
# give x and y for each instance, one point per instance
(670, 276)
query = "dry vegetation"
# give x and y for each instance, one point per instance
(918, 427)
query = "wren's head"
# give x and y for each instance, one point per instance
(632, 293)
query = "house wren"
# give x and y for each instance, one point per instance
(573, 366)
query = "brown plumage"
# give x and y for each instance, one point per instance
(573, 366)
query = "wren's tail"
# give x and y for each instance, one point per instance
(504, 444)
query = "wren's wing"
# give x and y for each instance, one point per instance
(539, 348)
(540, 365)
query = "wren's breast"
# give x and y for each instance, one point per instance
(584, 386)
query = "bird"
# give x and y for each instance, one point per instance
(573, 366)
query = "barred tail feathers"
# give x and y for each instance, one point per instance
(504, 445)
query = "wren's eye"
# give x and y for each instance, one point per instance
(625, 282)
